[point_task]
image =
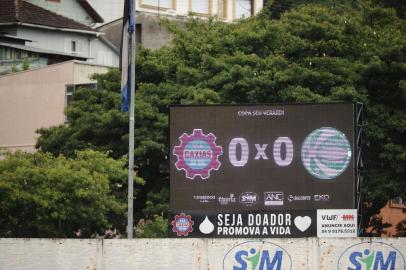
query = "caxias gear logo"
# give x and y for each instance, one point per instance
(197, 154)
(182, 224)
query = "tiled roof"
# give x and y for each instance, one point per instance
(20, 11)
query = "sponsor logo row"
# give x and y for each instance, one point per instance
(258, 224)
(270, 198)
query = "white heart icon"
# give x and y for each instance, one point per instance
(302, 223)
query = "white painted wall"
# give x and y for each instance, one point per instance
(101, 54)
(86, 45)
(186, 254)
(70, 9)
(54, 40)
(110, 10)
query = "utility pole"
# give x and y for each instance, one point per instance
(130, 225)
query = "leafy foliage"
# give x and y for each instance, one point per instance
(401, 229)
(155, 227)
(95, 122)
(46, 196)
(313, 53)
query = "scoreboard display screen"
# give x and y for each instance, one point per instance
(262, 157)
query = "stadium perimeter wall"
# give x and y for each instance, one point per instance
(179, 254)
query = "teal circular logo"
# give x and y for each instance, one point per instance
(326, 153)
(197, 154)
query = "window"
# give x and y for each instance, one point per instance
(138, 33)
(73, 46)
(71, 89)
(398, 201)
(222, 8)
(158, 3)
(200, 6)
(9, 54)
(243, 8)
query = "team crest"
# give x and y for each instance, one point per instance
(197, 154)
(182, 224)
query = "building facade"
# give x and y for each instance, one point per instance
(36, 98)
(110, 10)
(392, 214)
(152, 34)
(80, 11)
(226, 10)
(32, 32)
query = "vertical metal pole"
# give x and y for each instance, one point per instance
(130, 226)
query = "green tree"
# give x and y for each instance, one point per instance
(156, 227)
(46, 196)
(26, 63)
(95, 121)
(14, 67)
(401, 229)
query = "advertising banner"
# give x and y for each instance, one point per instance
(337, 223)
(258, 224)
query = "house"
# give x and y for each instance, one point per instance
(43, 32)
(78, 10)
(36, 98)
(109, 10)
(151, 34)
(392, 214)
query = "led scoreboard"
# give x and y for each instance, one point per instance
(260, 158)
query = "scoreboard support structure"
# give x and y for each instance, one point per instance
(359, 108)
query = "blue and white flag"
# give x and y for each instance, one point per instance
(127, 32)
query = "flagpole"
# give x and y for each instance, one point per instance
(130, 225)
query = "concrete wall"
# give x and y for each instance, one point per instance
(153, 34)
(112, 31)
(188, 254)
(33, 99)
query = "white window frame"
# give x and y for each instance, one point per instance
(225, 9)
(74, 46)
(398, 201)
(235, 9)
(152, 6)
(209, 7)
